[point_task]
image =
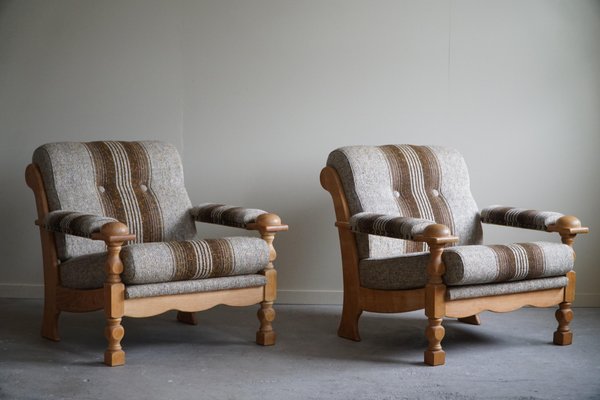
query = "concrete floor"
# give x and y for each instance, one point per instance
(508, 356)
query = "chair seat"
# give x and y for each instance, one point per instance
(152, 263)
(470, 265)
(194, 286)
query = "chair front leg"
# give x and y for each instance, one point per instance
(435, 293)
(564, 315)
(563, 336)
(114, 234)
(267, 225)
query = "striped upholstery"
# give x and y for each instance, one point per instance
(519, 217)
(225, 215)
(384, 225)
(171, 261)
(137, 183)
(469, 265)
(74, 223)
(395, 191)
(425, 182)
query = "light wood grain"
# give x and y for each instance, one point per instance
(504, 303)
(111, 297)
(433, 297)
(192, 302)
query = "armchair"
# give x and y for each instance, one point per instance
(117, 232)
(411, 238)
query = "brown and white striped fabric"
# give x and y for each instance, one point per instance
(519, 217)
(425, 182)
(471, 265)
(171, 261)
(223, 214)
(137, 183)
(75, 223)
(406, 228)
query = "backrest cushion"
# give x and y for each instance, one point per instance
(428, 182)
(138, 183)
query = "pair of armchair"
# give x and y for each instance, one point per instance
(410, 236)
(93, 197)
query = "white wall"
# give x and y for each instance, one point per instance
(256, 93)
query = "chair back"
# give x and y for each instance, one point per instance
(138, 183)
(427, 182)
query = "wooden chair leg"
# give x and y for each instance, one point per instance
(348, 328)
(564, 315)
(471, 320)
(114, 332)
(266, 314)
(434, 355)
(187, 317)
(50, 321)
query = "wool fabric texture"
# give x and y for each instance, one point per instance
(519, 217)
(171, 261)
(137, 183)
(395, 191)
(223, 214)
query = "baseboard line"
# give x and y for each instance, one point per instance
(284, 296)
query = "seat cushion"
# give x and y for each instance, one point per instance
(395, 273)
(148, 263)
(194, 286)
(496, 289)
(472, 265)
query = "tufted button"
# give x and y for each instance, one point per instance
(144, 188)
(435, 192)
(101, 189)
(396, 193)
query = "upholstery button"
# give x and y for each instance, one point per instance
(435, 192)
(144, 188)
(396, 194)
(101, 189)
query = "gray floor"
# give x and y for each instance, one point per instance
(509, 356)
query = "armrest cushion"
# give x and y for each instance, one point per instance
(519, 217)
(406, 228)
(74, 223)
(222, 214)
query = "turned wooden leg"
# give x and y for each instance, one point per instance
(268, 225)
(266, 314)
(187, 317)
(564, 315)
(50, 321)
(348, 328)
(435, 293)
(471, 320)
(114, 234)
(114, 332)
(434, 355)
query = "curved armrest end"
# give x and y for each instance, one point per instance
(268, 222)
(568, 224)
(113, 232)
(437, 234)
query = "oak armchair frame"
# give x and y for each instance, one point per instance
(111, 298)
(432, 298)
